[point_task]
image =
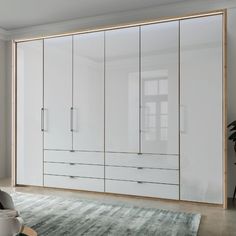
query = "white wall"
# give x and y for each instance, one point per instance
(186, 7)
(3, 164)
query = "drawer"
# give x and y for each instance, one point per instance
(90, 171)
(74, 183)
(142, 174)
(143, 160)
(96, 158)
(142, 189)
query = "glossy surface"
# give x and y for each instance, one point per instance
(74, 183)
(159, 88)
(201, 168)
(200, 108)
(122, 90)
(58, 92)
(144, 160)
(88, 92)
(96, 158)
(142, 189)
(71, 169)
(142, 174)
(29, 103)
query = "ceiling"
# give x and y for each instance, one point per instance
(16, 14)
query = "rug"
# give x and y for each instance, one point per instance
(57, 216)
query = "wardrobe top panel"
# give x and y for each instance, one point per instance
(127, 25)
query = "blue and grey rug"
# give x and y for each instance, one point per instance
(57, 216)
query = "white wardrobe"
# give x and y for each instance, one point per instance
(132, 110)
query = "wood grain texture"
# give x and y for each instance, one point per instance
(28, 231)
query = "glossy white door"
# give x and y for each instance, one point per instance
(58, 93)
(88, 92)
(201, 109)
(159, 88)
(29, 103)
(122, 90)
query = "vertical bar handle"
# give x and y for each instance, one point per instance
(182, 119)
(71, 119)
(42, 119)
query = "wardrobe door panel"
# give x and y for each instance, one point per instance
(122, 89)
(29, 74)
(58, 92)
(201, 109)
(88, 92)
(159, 88)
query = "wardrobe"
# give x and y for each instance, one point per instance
(136, 110)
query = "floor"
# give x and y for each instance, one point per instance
(215, 220)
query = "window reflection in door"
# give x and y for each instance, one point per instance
(155, 105)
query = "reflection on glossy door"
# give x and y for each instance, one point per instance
(29, 103)
(159, 88)
(122, 90)
(58, 92)
(88, 92)
(201, 103)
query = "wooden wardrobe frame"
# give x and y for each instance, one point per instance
(222, 12)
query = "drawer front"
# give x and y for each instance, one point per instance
(96, 158)
(74, 183)
(90, 171)
(143, 160)
(143, 189)
(145, 175)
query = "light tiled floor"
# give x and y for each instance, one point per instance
(215, 220)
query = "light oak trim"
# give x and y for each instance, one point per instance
(222, 12)
(225, 105)
(132, 24)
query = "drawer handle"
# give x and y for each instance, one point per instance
(139, 182)
(71, 164)
(72, 177)
(140, 168)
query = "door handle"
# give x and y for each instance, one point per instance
(182, 119)
(42, 119)
(71, 119)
